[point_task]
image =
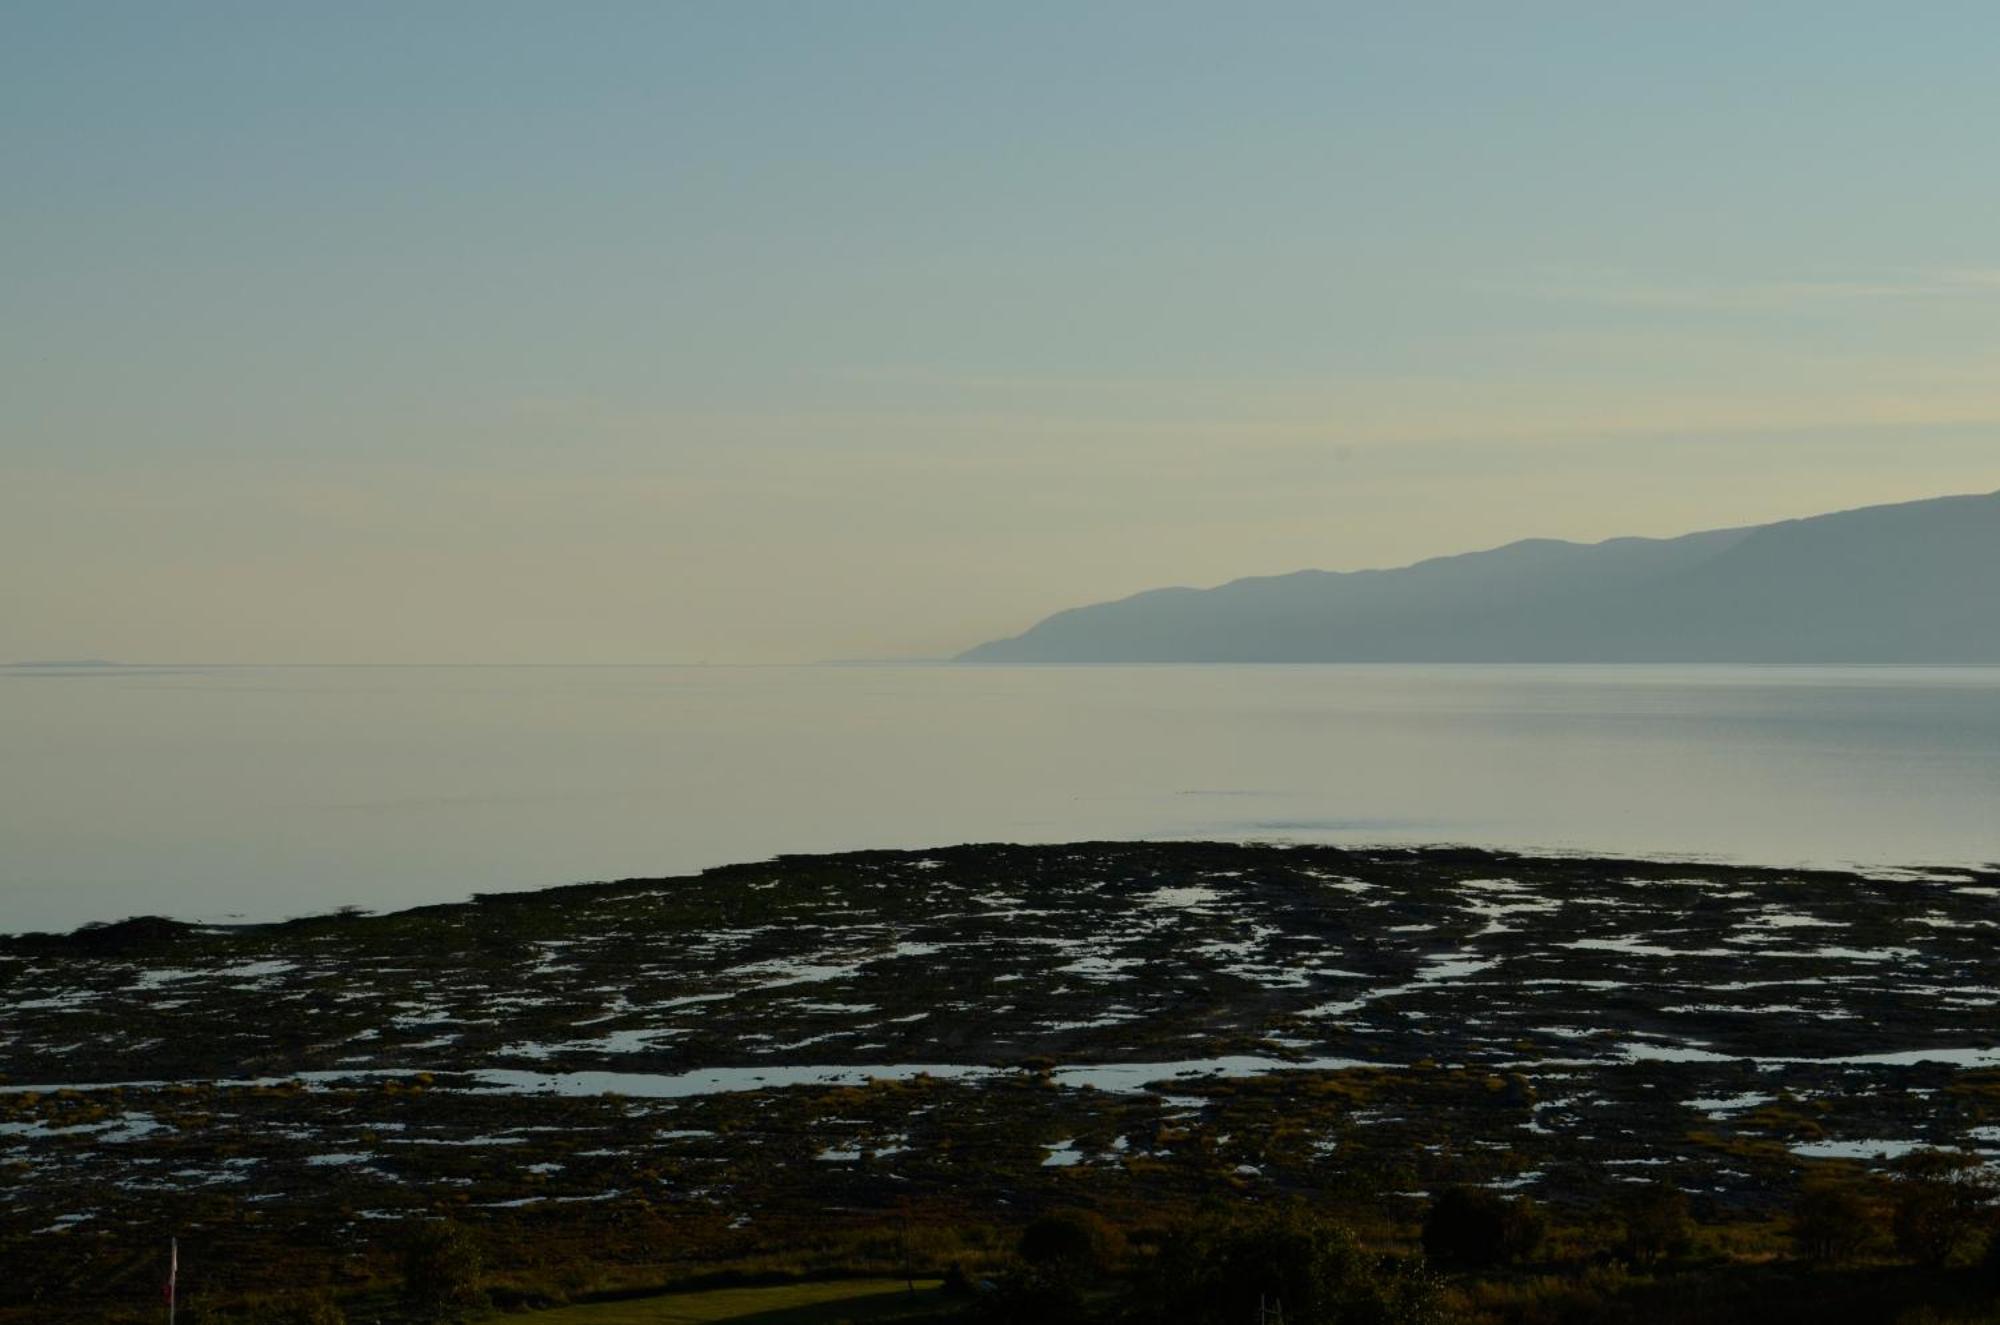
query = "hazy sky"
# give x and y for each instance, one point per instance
(765, 332)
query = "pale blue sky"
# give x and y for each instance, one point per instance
(764, 332)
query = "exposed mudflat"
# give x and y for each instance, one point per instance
(997, 1026)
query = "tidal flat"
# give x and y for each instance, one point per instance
(710, 1068)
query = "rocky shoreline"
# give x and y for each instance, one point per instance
(718, 1060)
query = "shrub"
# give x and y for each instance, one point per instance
(1071, 1244)
(1940, 1202)
(1655, 1223)
(441, 1270)
(1832, 1222)
(1219, 1271)
(1474, 1226)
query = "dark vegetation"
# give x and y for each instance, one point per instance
(1476, 1228)
(1460, 1086)
(1224, 1261)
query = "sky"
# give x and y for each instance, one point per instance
(762, 332)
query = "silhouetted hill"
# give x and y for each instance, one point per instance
(1911, 583)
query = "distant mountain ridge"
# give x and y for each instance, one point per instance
(1916, 582)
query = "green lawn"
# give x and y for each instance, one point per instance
(823, 1303)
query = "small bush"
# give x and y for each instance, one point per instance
(441, 1270)
(1655, 1224)
(1940, 1204)
(1475, 1226)
(1832, 1222)
(1071, 1244)
(1220, 1271)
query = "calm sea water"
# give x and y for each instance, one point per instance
(267, 792)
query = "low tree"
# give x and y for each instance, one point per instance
(1476, 1226)
(1940, 1204)
(1221, 1271)
(1072, 1244)
(441, 1270)
(1832, 1221)
(1654, 1223)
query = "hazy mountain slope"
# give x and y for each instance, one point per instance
(1917, 582)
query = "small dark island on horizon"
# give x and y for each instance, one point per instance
(1909, 583)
